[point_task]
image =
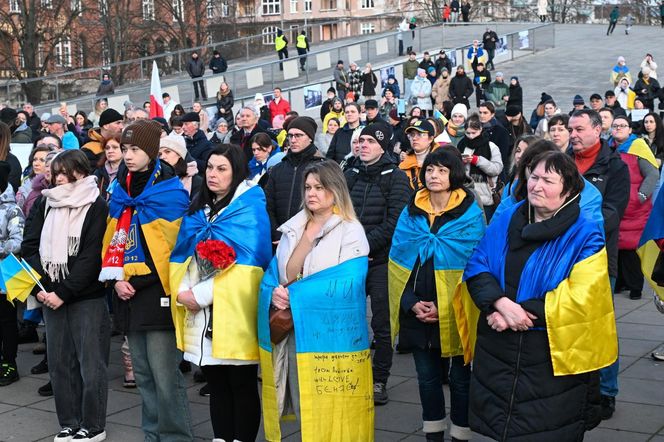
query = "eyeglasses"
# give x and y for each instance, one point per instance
(619, 126)
(47, 146)
(417, 135)
(296, 136)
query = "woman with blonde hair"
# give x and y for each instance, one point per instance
(318, 274)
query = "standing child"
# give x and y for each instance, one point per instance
(11, 235)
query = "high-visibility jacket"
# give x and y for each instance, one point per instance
(279, 42)
(302, 42)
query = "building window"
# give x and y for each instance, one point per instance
(271, 7)
(307, 5)
(367, 28)
(21, 60)
(81, 52)
(14, 7)
(148, 9)
(329, 5)
(47, 3)
(177, 10)
(103, 7)
(209, 9)
(367, 4)
(269, 34)
(293, 6)
(76, 6)
(225, 10)
(63, 52)
(105, 54)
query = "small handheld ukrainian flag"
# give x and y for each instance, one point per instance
(18, 278)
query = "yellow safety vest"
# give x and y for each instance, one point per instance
(301, 41)
(279, 42)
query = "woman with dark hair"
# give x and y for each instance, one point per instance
(178, 111)
(173, 150)
(590, 200)
(536, 286)
(644, 174)
(225, 102)
(108, 167)
(216, 314)
(318, 274)
(63, 243)
(652, 130)
(6, 155)
(81, 126)
(263, 149)
(483, 162)
(434, 238)
(515, 93)
(559, 132)
(34, 173)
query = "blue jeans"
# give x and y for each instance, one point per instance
(608, 376)
(430, 369)
(78, 340)
(155, 358)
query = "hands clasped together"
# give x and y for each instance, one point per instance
(510, 315)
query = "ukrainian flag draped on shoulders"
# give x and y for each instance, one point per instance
(450, 247)
(333, 356)
(649, 244)
(245, 226)
(157, 212)
(570, 273)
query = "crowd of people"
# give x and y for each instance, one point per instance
(238, 240)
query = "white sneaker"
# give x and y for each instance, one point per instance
(65, 435)
(84, 435)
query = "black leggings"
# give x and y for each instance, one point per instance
(235, 407)
(8, 331)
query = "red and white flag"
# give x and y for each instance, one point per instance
(156, 101)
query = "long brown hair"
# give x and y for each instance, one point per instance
(5, 139)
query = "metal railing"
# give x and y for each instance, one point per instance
(65, 85)
(528, 40)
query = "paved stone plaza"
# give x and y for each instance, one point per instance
(580, 63)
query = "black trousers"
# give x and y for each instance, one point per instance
(630, 276)
(491, 53)
(303, 57)
(380, 322)
(199, 84)
(612, 26)
(282, 54)
(8, 331)
(235, 407)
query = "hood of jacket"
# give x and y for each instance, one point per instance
(8, 196)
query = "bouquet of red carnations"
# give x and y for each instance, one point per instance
(213, 256)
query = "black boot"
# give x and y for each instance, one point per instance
(436, 437)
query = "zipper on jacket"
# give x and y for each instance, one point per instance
(200, 362)
(364, 200)
(290, 197)
(516, 378)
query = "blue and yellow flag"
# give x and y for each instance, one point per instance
(571, 274)
(245, 226)
(333, 357)
(450, 248)
(157, 212)
(648, 249)
(18, 278)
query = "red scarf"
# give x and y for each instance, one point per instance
(113, 264)
(584, 160)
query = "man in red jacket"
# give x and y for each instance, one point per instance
(278, 105)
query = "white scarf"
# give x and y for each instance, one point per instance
(66, 208)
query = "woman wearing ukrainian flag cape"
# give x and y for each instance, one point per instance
(320, 373)
(643, 177)
(434, 238)
(536, 311)
(215, 314)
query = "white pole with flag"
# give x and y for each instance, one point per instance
(156, 101)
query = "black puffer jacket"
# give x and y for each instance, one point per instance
(513, 393)
(611, 177)
(144, 311)
(379, 193)
(82, 282)
(283, 190)
(340, 144)
(421, 286)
